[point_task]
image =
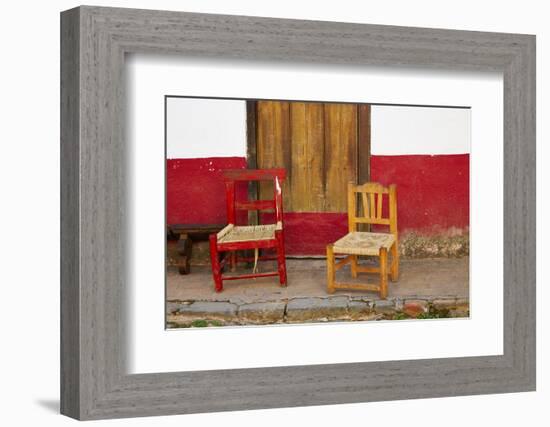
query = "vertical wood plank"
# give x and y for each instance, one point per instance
(363, 143)
(273, 144)
(340, 153)
(363, 151)
(251, 154)
(307, 190)
(251, 137)
(300, 154)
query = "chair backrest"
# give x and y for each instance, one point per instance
(231, 176)
(371, 197)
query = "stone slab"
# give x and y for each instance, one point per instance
(262, 312)
(208, 309)
(307, 309)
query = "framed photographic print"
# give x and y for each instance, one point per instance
(312, 150)
(284, 213)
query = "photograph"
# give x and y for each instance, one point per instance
(293, 211)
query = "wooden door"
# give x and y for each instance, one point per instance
(322, 146)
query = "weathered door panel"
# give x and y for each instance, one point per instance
(322, 146)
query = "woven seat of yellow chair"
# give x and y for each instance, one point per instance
(363, 243)
(236, 233)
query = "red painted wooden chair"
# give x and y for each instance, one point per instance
(236, 237)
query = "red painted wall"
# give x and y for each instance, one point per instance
(432, 194)
(309, 233)
(195, 189)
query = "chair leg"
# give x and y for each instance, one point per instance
(281, 262)
(383, 273)
(330, 269)
(394, 262)
(215, 261)
(353, 266)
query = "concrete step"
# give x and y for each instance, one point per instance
(191, 313)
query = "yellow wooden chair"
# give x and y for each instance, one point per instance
(371, 196)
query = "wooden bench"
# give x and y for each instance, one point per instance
(186, 234)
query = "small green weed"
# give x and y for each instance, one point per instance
(433, 313)
(199, 323)
(401, 316)
(203, 323)
(216, 323)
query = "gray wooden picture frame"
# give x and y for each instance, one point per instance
(94, 382)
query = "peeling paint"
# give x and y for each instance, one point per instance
(452, 244)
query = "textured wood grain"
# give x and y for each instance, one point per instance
(369, 196)
(363, 143)
(70, 255)
(340, 153)
(95, 383)
(251, 154)
(307, 192)
(273, 144)
(318, 144)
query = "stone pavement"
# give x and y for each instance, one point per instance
(427, 288)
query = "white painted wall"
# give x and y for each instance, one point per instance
(198, 128)
(201, 127)
(401, 130)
